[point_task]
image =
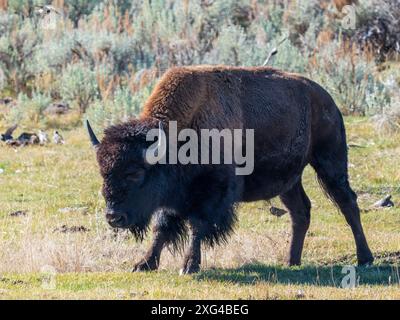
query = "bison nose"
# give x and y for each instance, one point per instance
(116, 218)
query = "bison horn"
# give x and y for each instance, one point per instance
(93, 138)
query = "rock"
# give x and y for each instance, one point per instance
(277, 211)
(386, 202)
(66, 229)
(6, 101)
(18, 213)
(26, 138)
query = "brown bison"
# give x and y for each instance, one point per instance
(295, 123)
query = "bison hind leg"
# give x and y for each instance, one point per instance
(339, 191)
(299, 206)
(330, 162)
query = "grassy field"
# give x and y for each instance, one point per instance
(61, 246)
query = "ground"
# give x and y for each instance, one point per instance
(55, 243)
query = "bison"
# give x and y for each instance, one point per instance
(295, 122)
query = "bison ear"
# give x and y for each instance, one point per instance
(93, 139)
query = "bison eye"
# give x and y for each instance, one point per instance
(136, 176)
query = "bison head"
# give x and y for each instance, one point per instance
(133, 189)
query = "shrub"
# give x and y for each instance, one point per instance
(100, 47)
(388, 119)
(350, 79)
(52, 56)
(77, 9)
(300, 16)
(23, 7)
(16, 56)
(378, 28)
(230, 47)
(28, 109)
(388, 122)
(78, 86)
(121, 107)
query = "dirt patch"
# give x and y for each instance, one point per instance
(11, 281)
(19, 213)
(71, 229)
(392, 258)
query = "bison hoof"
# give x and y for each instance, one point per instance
(145, 265)
(366, 262)
(292, 262)
(189, 269)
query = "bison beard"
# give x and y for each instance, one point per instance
(295, 123)
(138, 231)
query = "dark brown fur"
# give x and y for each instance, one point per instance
(296, 123)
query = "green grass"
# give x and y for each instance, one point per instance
(248, 282)
(60, 185)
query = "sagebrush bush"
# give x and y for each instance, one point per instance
(378, 27)
(122, 106)
(17, 48)
(78, 86)
(102, 51)
(28, 109)
(388, 122)
(350, 78)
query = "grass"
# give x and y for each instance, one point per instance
(58, 187)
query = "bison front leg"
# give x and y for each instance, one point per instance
(168, 229)
(209, 232)
(212, 216)
(192, 259)
(151, 260)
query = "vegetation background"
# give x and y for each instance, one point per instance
(102, 59)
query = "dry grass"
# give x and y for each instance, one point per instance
(58, 187)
